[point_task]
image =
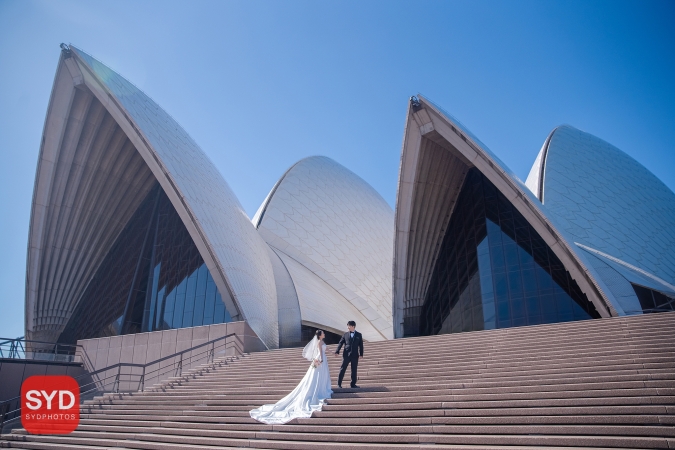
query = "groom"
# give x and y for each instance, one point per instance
(353, 342)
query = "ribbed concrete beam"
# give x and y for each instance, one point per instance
(98, 182)
(439, 179)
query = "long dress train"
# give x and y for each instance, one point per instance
(308, 396)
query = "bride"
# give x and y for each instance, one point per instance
(309, 395)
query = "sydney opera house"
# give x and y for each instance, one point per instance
(133, 229)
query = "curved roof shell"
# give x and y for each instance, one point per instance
(329, 220)
(321, 306)
(104, 142)
(606, 200)
(437, 153)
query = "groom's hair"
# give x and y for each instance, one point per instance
(351, 323)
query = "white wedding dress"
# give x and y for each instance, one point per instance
(308, 396)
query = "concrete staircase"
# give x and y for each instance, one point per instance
(606, 383)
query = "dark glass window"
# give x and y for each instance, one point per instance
(653, 301)
(495, 271)
(307, 334)
(153, 278)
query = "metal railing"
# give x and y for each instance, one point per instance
(20, 348)
(115, 378)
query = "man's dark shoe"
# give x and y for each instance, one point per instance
(353, 386)
(340, 386)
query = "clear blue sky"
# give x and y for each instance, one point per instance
(260, 85)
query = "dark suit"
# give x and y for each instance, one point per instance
(353, 349)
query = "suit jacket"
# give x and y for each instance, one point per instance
(352, 344)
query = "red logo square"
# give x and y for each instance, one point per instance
(50, 404)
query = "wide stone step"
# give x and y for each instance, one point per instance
(464, 397)
(618, 419)
(658, 400)
(422, 372)
(233, 415)
(644, 419)
(647, 343)
(450, 361)
(540, 376)
(453, 354)
(552, 349)
(50, 443)
(447, 362)
(385, 392)
(400, 402)
(449, 367)
(405, 407)
(523, 410)
(586, 429)
(262, 439)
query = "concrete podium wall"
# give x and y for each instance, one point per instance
(142, 348)
(13, 372)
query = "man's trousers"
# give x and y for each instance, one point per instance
(346, 360)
